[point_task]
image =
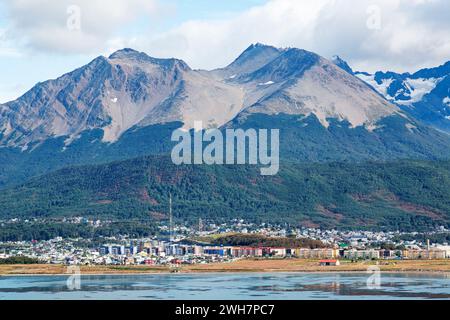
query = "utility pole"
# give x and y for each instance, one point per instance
(170, 218)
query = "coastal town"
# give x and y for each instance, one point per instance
(182, 244)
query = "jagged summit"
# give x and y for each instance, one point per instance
(341, 63)
(252, 58)
(125, 52)
(129, 54)
(129, 103)
(290, 62)
(132, 89)
(258, 46)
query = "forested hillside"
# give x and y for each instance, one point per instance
(407, 195)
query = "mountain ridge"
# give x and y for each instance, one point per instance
(130, 88)
(127, 105)
(423, 94)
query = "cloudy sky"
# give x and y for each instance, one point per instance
(42, 39)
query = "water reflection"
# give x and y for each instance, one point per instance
(356, 289)
(229, 286)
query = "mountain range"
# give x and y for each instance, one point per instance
(130, 89)
(127, 105)
(424, 94)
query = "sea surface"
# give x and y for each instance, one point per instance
(230, 286)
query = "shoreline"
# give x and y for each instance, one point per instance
(425, 273)
(244, 266)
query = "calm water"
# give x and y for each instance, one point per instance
(229, 286)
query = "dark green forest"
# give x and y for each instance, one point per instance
(302, 139)
(27, 231)
(403, 195)
(19, 260)
(256, 240)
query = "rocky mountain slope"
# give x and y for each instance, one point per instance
(127, 105)
(130, 89)
(114, 94)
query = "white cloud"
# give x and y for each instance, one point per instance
(7, 49)
(209, 44)
(43, 24)
(412, 34)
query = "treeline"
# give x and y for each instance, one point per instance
(19, 260)
(402, 195)
(255, 240)
(434, 238)
(50, 230)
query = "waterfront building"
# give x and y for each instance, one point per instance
(424, 254)
(354, 254)
(329, 262)
(319, 253)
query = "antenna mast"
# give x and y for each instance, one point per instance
(170, 218)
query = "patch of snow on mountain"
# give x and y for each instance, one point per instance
(372, 127)
(268, 83)
(410, 127)
(419, 88)
(446, 101)
(70, 139)
(381, 88)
